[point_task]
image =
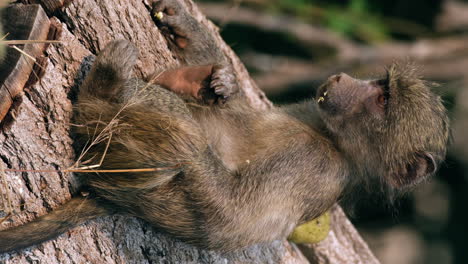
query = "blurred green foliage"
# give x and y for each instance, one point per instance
(367, 21)
(352, 19)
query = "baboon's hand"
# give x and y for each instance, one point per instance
(223, 83)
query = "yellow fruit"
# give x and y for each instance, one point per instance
(313, 231)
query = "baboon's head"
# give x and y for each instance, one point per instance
(395, 127)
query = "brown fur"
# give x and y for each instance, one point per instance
(76, 211)
(233, 176)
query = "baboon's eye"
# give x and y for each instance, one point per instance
(383, 84)
(382, 100)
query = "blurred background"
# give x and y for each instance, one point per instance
(291, 46)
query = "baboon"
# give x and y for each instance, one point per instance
(228, 175)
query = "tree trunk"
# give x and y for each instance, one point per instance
(38, 138)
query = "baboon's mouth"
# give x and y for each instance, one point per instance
(322, 95)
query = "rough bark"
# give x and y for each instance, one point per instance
(39, 139)
(21, 22)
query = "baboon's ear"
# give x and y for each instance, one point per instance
(415, 171)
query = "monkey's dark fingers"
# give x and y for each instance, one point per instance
(220, 88)
(227, 80)
(224, 71)
(216, 82)
(223, 91)
(223, 81)
(222, 99)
